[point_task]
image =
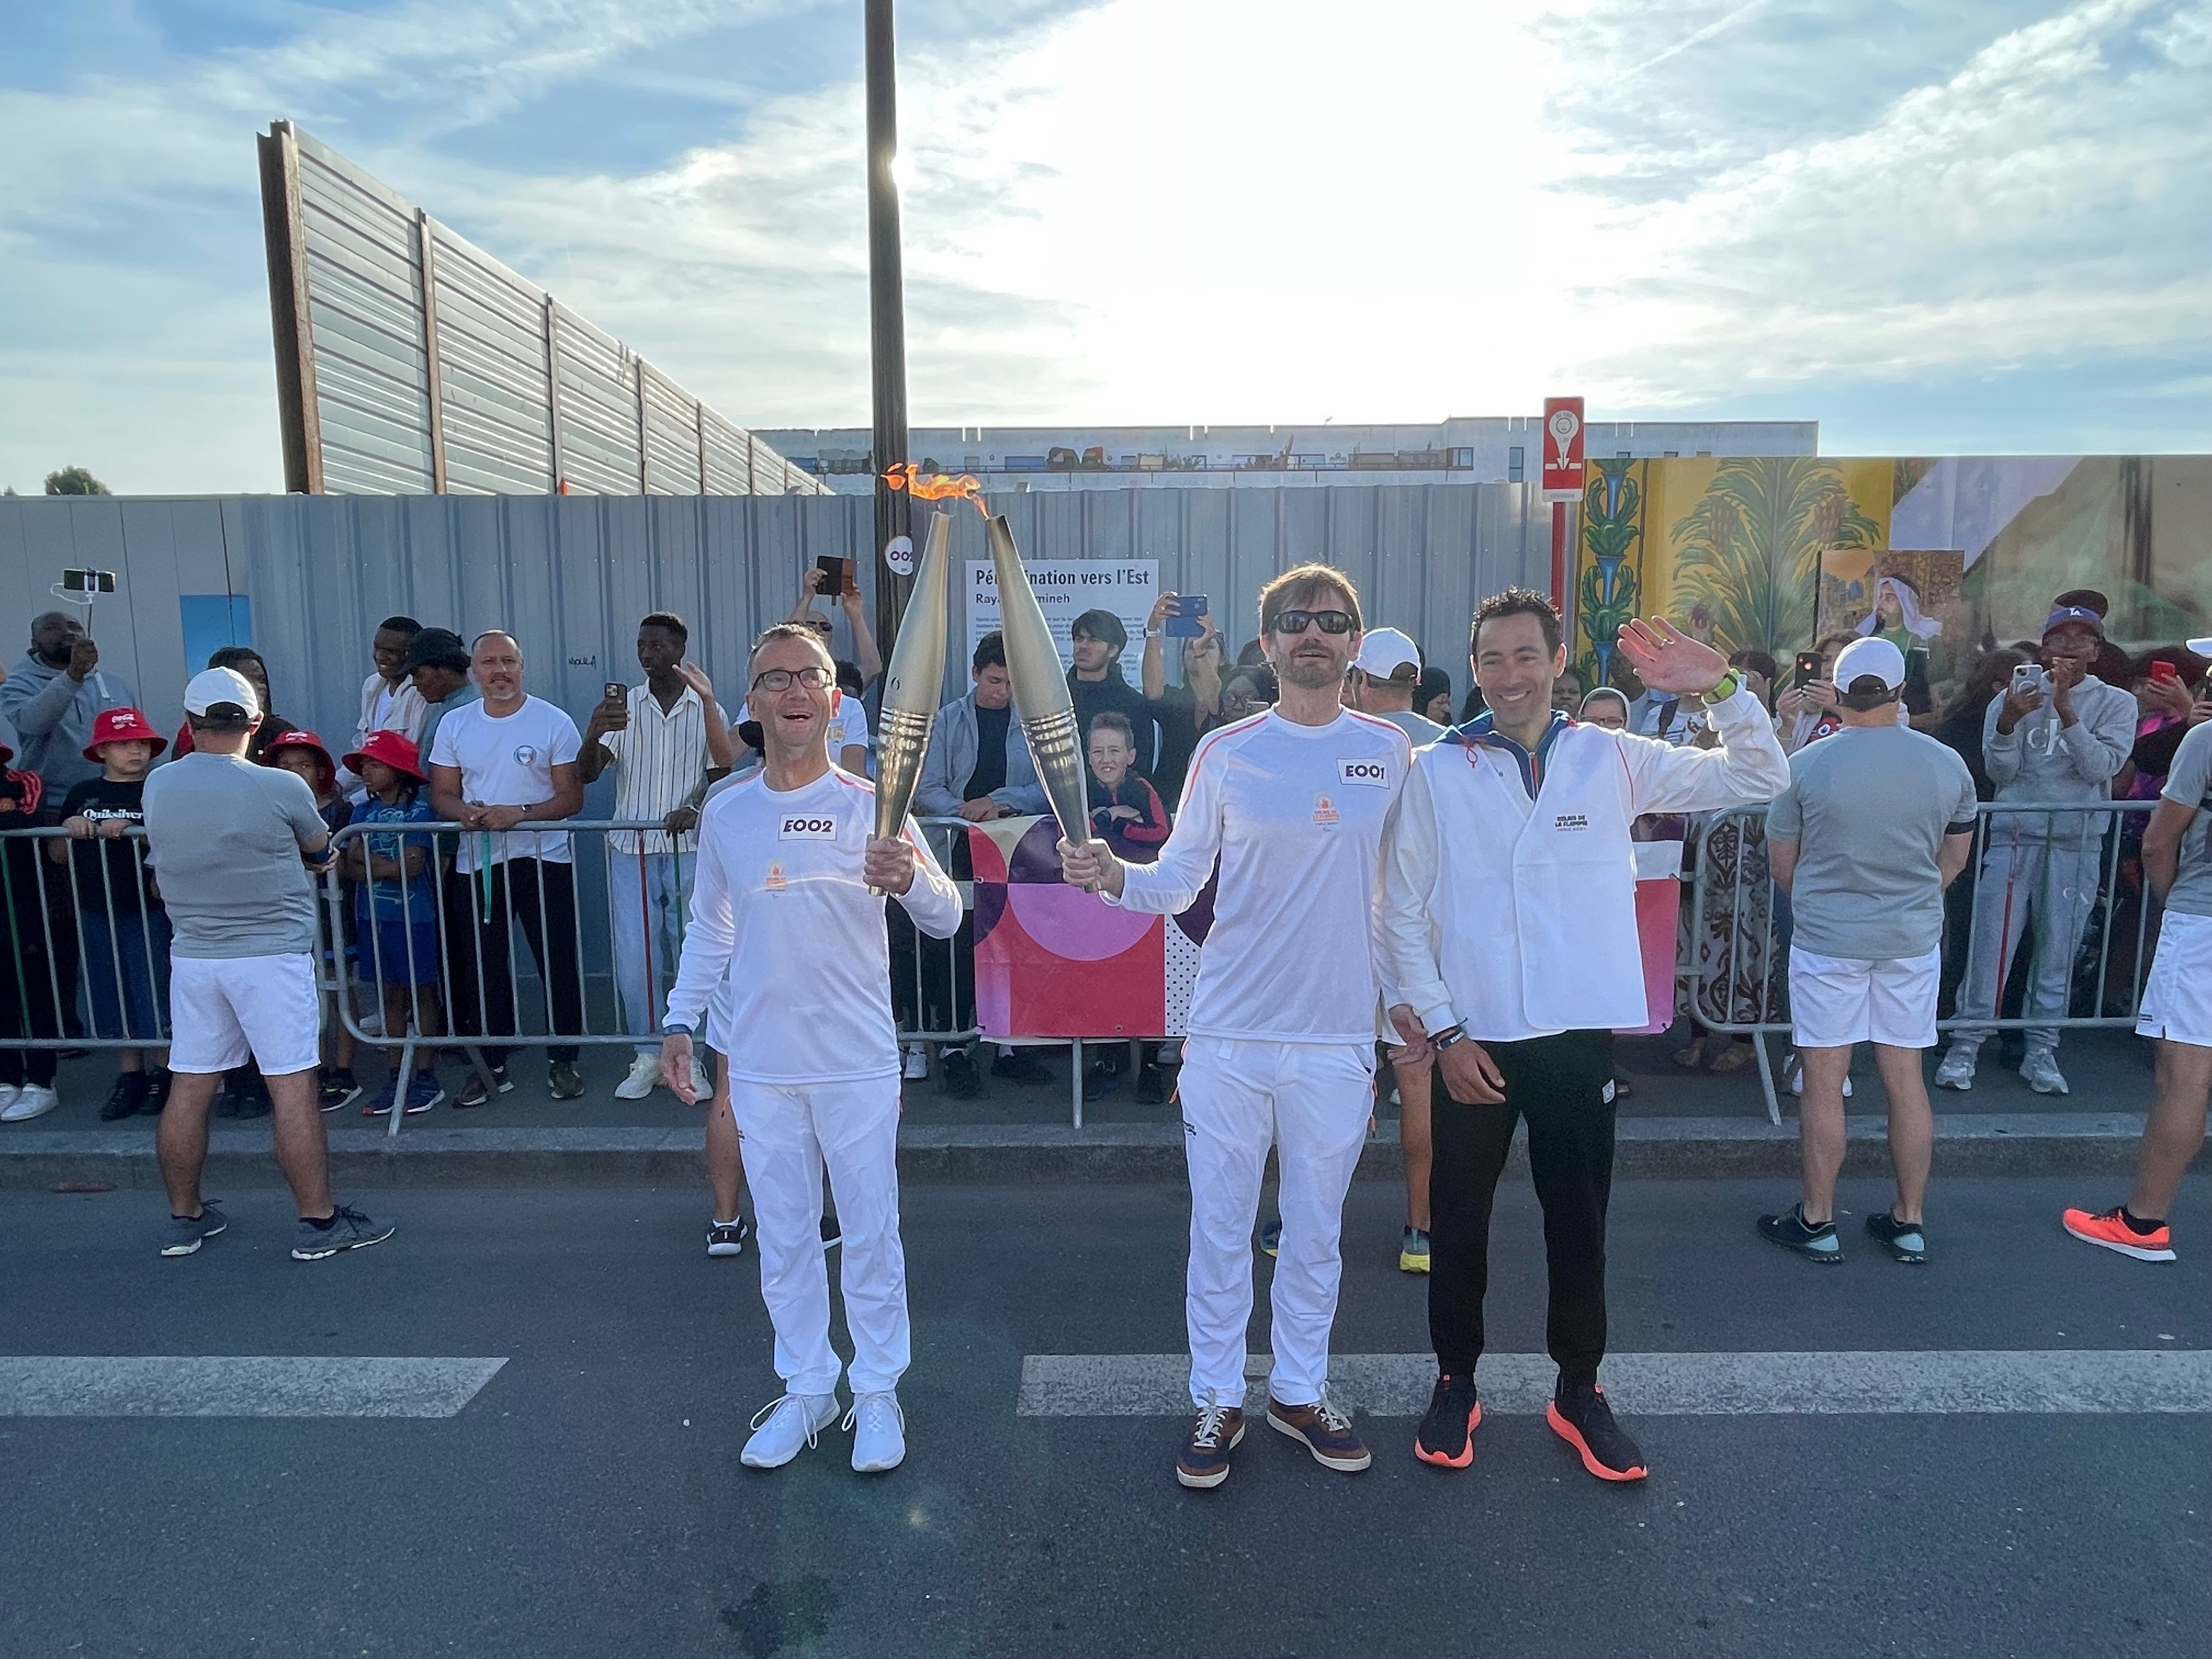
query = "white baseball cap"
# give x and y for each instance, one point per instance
(2202, 647)
(1385, 653)
(213, 685)
(1870, 656)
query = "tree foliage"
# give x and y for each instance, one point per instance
(76, 481)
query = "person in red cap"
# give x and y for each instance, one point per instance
(30, 1006)
(300, 753)
(123, 930)
(396, 907)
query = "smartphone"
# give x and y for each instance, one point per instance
(2027, 677)
(2162, 670)
(87, 581)
(1182, 619)
(616, 692)
(1808, 669)
(836, 577)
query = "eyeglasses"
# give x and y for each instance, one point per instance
(1297, 622)
(774, 680)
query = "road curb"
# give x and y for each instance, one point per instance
(1997, 1144)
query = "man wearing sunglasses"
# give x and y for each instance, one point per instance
(1509, 907)
(1290, 802)
(787, 957)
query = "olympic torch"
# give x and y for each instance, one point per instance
(1041, 694)
(912, 685)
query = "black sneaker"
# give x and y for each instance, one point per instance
(1023, 1067)
(335, 1086)
(157, 1091)
(1151, 1086)
(1271, 1237)
(563, 1081)
(473, 1092)
(1905, 1240)
(1100, 1081)
(126, 1099)
(1791, 1232)
(1579, 1416)
(961, 1082)
(728, 1237)
(832, 1234)
(1446, 1437)
(248, 1095)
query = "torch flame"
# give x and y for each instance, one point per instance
(937, 487)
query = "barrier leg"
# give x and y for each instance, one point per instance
(1075, 1082)
(404, 1074)
(1766, 1078)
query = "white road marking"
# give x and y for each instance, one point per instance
(164, 1385)
(1672, 1384)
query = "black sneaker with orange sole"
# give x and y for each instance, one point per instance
(1446, 1437)
(1580, 1416)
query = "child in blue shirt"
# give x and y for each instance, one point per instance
(396, 907)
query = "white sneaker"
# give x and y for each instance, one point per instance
(916, 1064)
(878, 1428)
(9, 1094)
(1957, 1071)
(702, 1086)
(1797, 1078)
(644, 1073)
(33, 1100)
(2040, 1068)
(785, 1427)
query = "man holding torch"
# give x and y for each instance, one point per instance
(1291, 802)
(784, 906)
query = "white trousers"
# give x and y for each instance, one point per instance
(2028, 885)
(1311, 1101)
(789, 1134)
(647, 895)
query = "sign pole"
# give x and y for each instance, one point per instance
(1559, 557)
(886, 325)
(1562, 454)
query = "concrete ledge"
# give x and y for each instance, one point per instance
(1668, 1148)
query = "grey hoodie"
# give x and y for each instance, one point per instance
(2044, 760)
(52, 715)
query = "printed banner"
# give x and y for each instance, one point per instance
(1065, 588)
(1052, 961)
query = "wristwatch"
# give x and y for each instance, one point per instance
(671, 1030)
(1155, 633)
(1730, 683)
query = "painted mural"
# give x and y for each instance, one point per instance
(1769, 553)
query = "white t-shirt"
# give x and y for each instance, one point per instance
(849, 726)
(1295, 815)
(508, 761)
(786, 952)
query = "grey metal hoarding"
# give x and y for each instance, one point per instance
(570, 576)
(410, 362)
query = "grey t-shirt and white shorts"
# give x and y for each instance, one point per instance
(2177, 1001)
(225, 838)
(1869, 807)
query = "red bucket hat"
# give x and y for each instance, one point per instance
(122, 725)
(295, 738)
(395, 749)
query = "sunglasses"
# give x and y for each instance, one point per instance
(1297, 622)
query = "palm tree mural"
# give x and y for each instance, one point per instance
(1612, 516)
(1749, 551)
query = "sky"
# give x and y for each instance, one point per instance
(1935, 226)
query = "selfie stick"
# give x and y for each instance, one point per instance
(83, 602)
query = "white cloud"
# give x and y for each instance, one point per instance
(1179, 209)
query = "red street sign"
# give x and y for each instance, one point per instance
(1563, 449)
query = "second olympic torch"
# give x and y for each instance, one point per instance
(1041, 693)
(912, 685)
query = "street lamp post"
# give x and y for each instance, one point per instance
(886, 317)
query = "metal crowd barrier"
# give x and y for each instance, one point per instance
(1734, 957)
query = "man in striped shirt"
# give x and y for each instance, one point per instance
(666, 740)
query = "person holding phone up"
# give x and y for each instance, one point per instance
(849, 739)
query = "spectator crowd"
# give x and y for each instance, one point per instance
(458, 782)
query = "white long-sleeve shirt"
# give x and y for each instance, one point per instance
(1529, 926)
(784, 939)
(1294, 814)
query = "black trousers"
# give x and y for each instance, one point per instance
(542, 897)
(1558, 1084)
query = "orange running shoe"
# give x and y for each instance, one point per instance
(1446, 1437)
(2111, 1230)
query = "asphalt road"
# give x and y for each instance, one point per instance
(588, 1500)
